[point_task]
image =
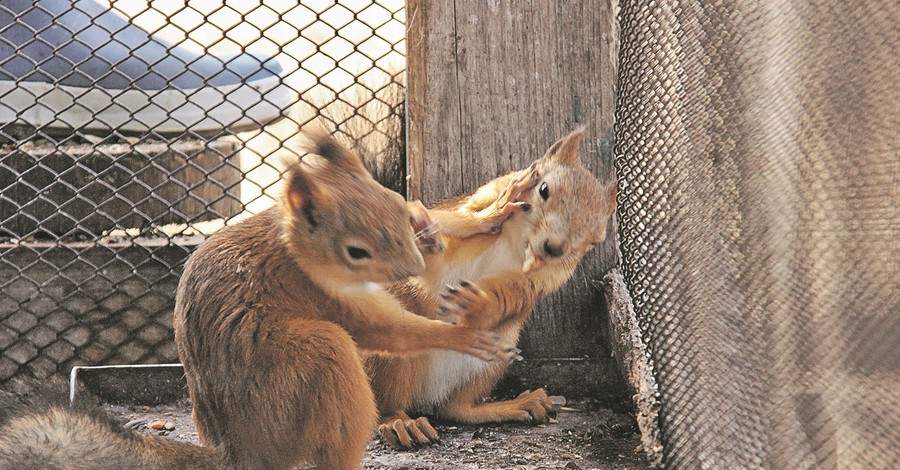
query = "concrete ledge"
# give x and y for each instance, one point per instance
(151, 384)
(155, 384)
(595, 378)
(82, 188)
(69, 304)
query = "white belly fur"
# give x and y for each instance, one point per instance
(448, 371)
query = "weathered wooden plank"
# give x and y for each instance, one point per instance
(441, 115)
(502, 81)
(415, 98)
(630, 353)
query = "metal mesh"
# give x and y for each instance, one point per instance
(130, 131)
(757, 151)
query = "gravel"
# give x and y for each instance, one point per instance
(583, 437)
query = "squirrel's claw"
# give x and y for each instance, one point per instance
(462, 302)
(405, 433)
(536, 406)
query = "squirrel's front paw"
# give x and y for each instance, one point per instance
(527, 180)
(403, 432)
(427, 231)
(509, 202)
(462, 303)
(484, 345)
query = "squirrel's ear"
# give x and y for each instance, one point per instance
(608, 209)
(300, 191)
(565, 150)
(324, 145)
(611, 193)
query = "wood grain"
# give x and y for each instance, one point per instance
(415, 98)
(499, 82)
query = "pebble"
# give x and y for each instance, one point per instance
(162, 425)
(572, 465)
(558, 400)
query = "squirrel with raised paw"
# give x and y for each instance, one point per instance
(516, 239)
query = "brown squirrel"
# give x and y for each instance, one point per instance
(550, 214)
(269, 314)
(268, 317)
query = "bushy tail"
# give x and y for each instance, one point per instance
(40, 430)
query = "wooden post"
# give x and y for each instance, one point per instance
(415, 98)
(491, 86)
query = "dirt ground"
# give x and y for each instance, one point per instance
(584, 437)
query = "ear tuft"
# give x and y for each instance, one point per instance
(298, 187)
(565, 150)
(326, 146)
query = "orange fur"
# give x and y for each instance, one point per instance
(491, 281)
(270, 312)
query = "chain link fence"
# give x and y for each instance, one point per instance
(757, 154)
(759, 166)
(130, 130)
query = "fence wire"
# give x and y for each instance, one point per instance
(131, 130)
(759, 166)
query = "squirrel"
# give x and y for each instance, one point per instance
(268, 320)
(62, 438)
(270, 312)
(517, 238)
(269, 315)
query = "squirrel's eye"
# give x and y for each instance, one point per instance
(544, 191)
(358, 253)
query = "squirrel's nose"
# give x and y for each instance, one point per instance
(413, 267)
(554, 250)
